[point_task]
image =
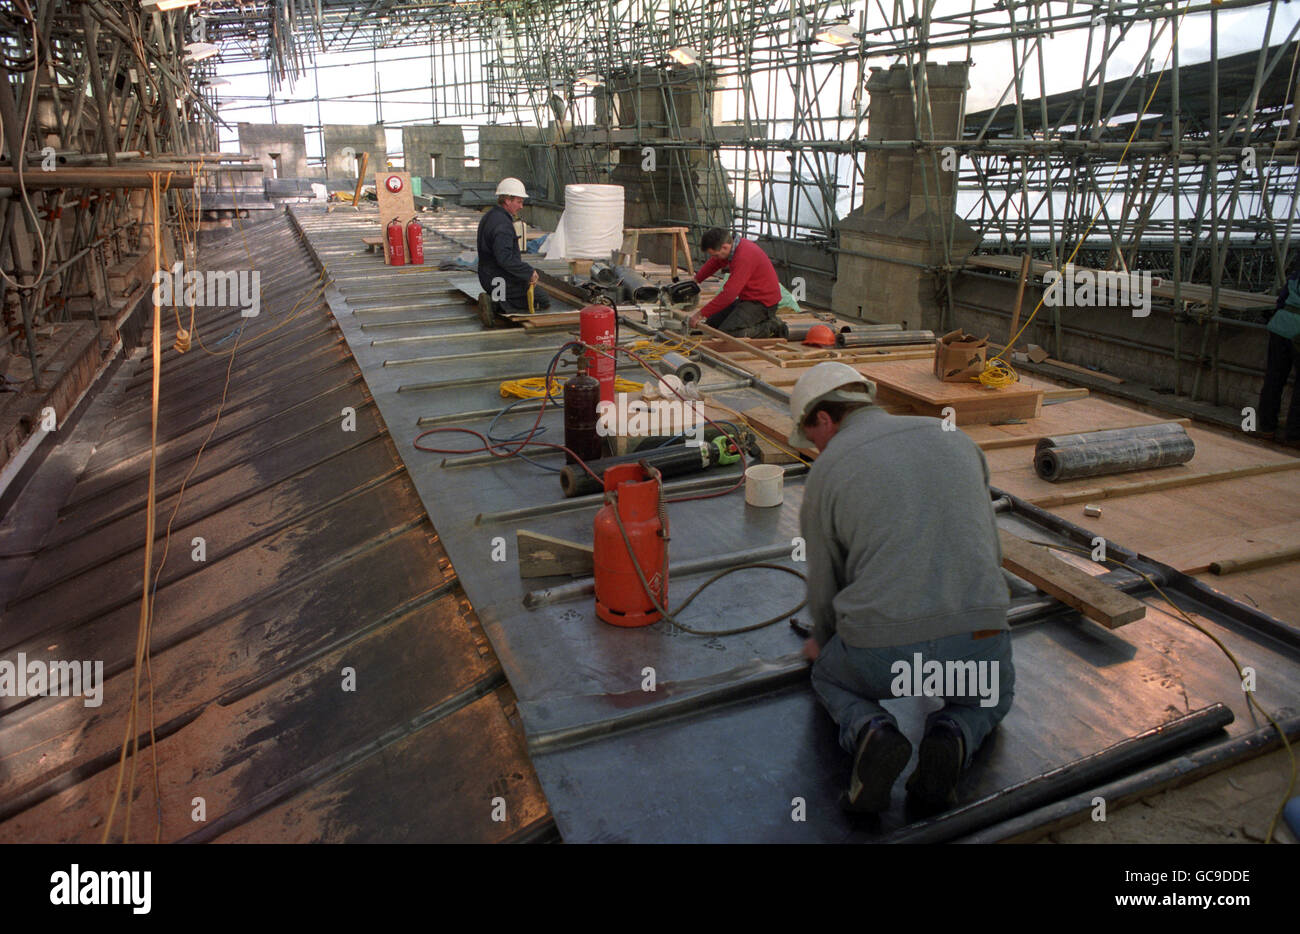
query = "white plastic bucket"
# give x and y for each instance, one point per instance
(764, 485)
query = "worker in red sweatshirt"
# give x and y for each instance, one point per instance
(746, 306)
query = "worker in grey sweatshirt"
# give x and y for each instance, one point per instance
(904, 585)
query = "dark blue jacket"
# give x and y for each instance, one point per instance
(498, 255)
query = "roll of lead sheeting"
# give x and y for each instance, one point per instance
(1159, 430)
(674, 364)
(1112, 456)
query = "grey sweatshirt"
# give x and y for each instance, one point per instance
(902, 545)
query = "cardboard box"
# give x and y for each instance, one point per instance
(958, 356)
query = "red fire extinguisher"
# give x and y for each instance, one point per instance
(415, 242)
(396, 255)
(596, 328)
(621, 598)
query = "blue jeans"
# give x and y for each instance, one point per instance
(850, 683)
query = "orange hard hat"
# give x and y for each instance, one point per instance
(819, 335)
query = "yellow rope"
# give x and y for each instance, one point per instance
(1187, 618)
(534, 387)
(655, 350)
(131, 738)
(998, 374)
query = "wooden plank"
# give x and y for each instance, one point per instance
(551, 320)
(1064, 395)
(1195, 555)
(719, 346)
(1082, 369)
(1096, 600)
(1259, 559)
(1020, 299)
(545, 555)
(1160, 483)
(361, 177)
(863, 355)
(739, 343)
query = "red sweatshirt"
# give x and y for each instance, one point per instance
(752, 278)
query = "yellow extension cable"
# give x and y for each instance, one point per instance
(1187, 618)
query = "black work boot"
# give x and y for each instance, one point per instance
(486, 313)
(940, 760)
(882, 754)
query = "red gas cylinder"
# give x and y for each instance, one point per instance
(393, 244)
(596, 328)
(415, 242)
(620, 597)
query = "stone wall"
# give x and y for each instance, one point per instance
(267, 140)
(363, 137)
(892, 241)
(423, 145)
(1135, 348)
(503, 152)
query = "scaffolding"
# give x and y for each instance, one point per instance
(94, 96)
(758, 115)
(775, 94)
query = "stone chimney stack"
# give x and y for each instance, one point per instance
(908, 200)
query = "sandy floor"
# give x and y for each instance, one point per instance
(1232, 806)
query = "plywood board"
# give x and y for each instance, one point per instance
(398, 204)
(913, 383)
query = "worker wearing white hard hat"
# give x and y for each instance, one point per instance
(824, 383)
(904, 572)
(512, 188)
(502, 272)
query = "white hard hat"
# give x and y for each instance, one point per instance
(822, 383)
(512, 187)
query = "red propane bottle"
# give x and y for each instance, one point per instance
(396, 255)
(415, 242)
(596, 329)
(621, 600)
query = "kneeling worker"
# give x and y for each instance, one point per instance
(502, 272)
(746, 306)
(904, 569)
